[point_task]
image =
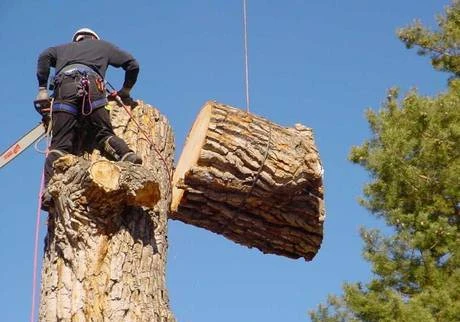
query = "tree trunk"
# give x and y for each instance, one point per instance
(105, 251)
(255, 182)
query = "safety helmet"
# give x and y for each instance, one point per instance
(80, 33)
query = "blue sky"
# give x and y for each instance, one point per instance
(319, 63)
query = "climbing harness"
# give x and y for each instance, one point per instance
(81, 77)
(84, 92)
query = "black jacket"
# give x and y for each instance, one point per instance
(97, 54)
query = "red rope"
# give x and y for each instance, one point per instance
(118, 98)
(35, 262)
(37, 220)
(85, 83)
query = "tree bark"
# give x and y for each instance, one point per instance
(252, 181)
(105, 251)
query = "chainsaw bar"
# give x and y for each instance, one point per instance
(22, 144)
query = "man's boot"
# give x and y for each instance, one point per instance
(46, 198)
(47, 201)
(118, 150)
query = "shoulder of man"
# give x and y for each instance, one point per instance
(103, 42)
(63, 46)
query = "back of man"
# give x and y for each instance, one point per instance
(79, 94)
(94, 53)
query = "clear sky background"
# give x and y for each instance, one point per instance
(319, 63)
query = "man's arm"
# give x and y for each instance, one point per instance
(120, 58)
(46, 60)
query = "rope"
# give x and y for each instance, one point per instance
(147, 137)
(269, 140)
(246, 68)
(86, 88)
(259, 171)
(35, 262)
(150, 142)
(48, 135)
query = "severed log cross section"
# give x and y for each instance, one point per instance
(252, 181)
(105, 185)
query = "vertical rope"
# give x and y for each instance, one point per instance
(246, 68)
(37, 220)
(35, 265)
(146, 135)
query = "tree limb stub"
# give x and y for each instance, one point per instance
(108, 183)
(252, 181)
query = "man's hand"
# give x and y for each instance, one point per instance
(42, 94)
(42, 102)
(126, 98)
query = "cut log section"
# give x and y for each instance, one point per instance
(252, 181)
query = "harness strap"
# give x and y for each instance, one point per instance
(74, 68)
(72, 109)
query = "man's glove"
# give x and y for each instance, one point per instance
(126, 98)
(42, 102)
(42, 94)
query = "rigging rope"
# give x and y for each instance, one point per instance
(48, 135)
(246, 68)
(35, 261)
(144, 132)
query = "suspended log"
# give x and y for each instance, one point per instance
(252, 181)
(105, 251)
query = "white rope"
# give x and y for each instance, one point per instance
(48, 134)
(246, 69)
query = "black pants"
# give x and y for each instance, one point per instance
(66, 134)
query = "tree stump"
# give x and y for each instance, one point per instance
(105, 251)
(252, 181)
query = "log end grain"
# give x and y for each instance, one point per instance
(190, 152)
(255, 182)
(106, 174)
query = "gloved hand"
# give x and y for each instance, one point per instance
(42, 101)
(42, 94)
(124, 92)
(126, 98)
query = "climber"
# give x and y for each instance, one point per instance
(80, 97)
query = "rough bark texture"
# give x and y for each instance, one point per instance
(255, 182)
(105, 252)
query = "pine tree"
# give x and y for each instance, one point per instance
(413, 157)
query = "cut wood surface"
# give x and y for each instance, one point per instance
(252, 181)
(105, 251)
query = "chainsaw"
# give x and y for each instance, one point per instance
(42, 106)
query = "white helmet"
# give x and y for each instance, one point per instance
(80, 33)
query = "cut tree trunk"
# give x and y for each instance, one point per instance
(252, 181)
(105, 251)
